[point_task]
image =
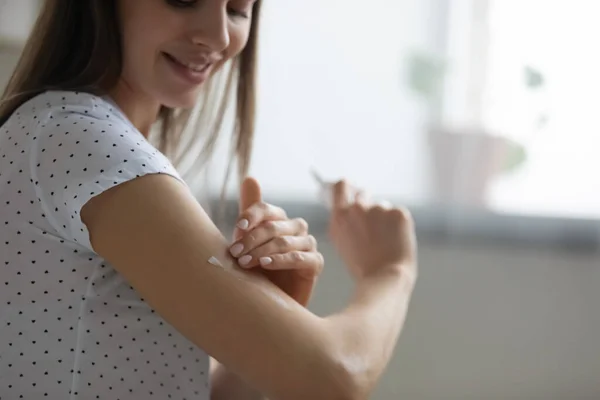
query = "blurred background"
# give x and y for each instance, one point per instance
(480, 116)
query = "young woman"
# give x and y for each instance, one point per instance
(115, 282)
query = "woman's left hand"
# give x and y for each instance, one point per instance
(282, 248)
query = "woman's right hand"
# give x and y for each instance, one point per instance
(372, 239)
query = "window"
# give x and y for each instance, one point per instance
(550, 45)
(332, 95)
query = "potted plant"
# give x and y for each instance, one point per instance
(465, 160)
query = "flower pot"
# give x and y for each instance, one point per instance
(465, 162)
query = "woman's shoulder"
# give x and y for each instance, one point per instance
(81, 147)
(56, 120)
(49, 104)
(77, 122)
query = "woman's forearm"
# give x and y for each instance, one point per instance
(367, 330)
(363, 337)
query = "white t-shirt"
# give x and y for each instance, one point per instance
(71, 327)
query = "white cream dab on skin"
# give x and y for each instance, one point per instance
(214, 261)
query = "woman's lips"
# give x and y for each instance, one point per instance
(192, 72)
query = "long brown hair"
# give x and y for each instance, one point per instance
(76, 45)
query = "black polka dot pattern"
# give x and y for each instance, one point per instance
(70, 325)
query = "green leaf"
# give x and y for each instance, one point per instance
(516, 156)
(534, 79)
(425, 74)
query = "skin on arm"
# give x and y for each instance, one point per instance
(158, 237)
(226, 385)
(154, 232)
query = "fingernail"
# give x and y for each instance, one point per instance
(236, 249)
(245, 260)
(265, 261)
(243, 224)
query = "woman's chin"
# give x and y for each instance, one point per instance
(185, 100)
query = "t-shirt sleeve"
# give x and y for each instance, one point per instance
(77, 156)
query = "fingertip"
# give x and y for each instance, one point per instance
(236, 249)
(340, 194)
(251, 179)
(245, 261)
(243, 224)
(250, 193)
(361, 198)
(264, 261)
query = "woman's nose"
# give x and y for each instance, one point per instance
(212, 27)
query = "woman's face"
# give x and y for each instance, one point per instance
(171, 47)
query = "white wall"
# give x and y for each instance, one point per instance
(491, 323)
(16, 19)
(8, 59)
(333, 95)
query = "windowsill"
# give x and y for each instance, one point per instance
(467, 226)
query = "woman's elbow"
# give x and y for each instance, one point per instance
(345, 387)
(335, 381)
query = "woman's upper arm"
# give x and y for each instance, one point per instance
(157, 236)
